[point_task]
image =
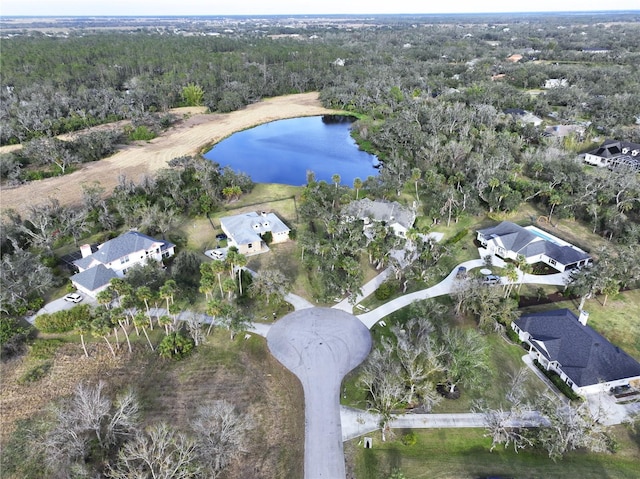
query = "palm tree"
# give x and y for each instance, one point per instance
(207, 284)
(336, 180)
(241, 262)
(167, 290)
(101, 327)
(416, 174)
(120, 318)
(140, 321)
(105, 297)
(357, 185)
(165, 321)
(83, 326)
(214, 307)
(145, 294)
(229, 285)
(217, 268)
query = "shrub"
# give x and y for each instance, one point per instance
(140, 133)
(385, 290)
(44, 349)
(458, 236)
(35, 373)
(12, 337)
(62, 321)
(175, 346)
(557, 381)
(267, 237)
(410, 439)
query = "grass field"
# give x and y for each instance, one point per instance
(464, 454)
(242, 372)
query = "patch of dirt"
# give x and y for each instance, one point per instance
(70, 367)
(188, 137)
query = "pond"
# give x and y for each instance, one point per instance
(282, 151)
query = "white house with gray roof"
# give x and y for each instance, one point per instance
(112, 259)
(245, 231)
(563, 342)
(509, 240)
(393, 214)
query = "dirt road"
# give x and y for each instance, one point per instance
(188, 137)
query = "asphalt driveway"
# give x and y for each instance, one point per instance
(320, 346)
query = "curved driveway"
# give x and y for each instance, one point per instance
(320, 346)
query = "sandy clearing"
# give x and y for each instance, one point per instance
(188, 137)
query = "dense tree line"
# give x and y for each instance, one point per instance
(53, 85)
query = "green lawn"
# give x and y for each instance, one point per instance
(464, 453)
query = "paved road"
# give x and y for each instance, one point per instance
(320, 346)
(447, 284)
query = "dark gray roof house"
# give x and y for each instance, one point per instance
(615, 154)
(588, 362)
(509, 240)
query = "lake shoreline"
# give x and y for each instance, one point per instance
(135, 161)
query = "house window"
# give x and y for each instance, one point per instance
(124, 259)
(552, 261)
(250, 245)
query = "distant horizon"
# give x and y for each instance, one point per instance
(243, 8)
(532, 12)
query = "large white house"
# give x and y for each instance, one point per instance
(114, 257)
(245, 231)
(509, 241)
(615, 154)
(562, 342)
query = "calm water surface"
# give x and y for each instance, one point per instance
(282, 151)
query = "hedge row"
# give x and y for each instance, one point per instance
(63, 321)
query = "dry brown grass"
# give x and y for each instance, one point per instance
(242, 372)
(188, 137)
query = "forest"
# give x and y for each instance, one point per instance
(432, 100)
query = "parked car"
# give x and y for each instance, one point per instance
(491, 279)
(462, 272)
(73, 297)
(221, 236)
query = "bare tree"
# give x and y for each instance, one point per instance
(382, 378)
(504, 424)
(194, 324)
(464, 358)
(88, 419)
(271, 284)
(419, 358)
(157, 453)
(220, 435)
(569, 427)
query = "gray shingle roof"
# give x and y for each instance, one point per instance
(522, 241)
(619, 153)
(123, 245)
(389, 212)
(95, 277)
(584, 355)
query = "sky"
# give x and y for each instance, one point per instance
(280, 7)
